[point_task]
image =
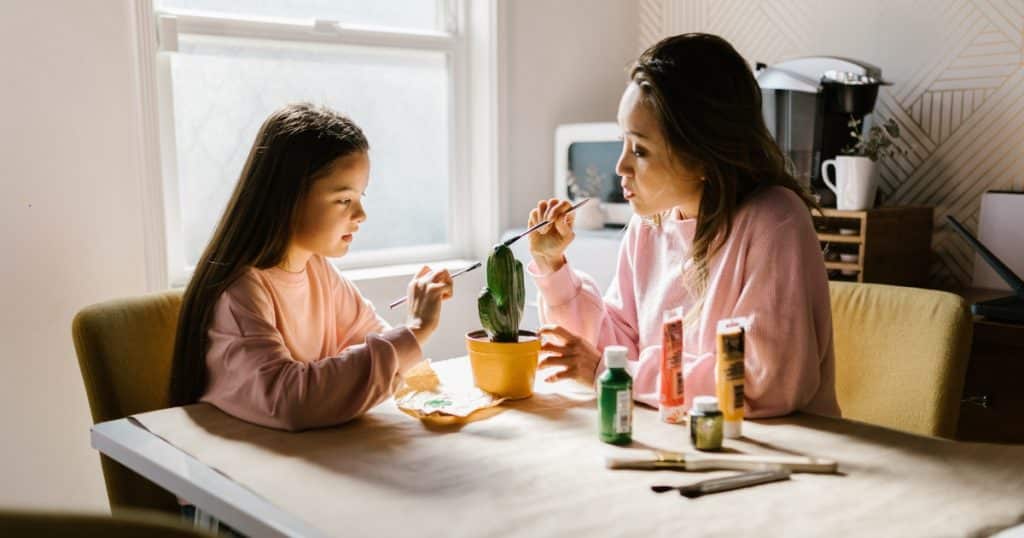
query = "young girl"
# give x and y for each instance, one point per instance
(721, 228)
(269, 332)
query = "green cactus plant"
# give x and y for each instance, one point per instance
(501, 302)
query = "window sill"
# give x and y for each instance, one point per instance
(406, 270)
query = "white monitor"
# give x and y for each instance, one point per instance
(589, 152)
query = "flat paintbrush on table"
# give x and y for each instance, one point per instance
(642, 459)
(728, 483)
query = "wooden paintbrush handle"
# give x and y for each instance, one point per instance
(701, 461)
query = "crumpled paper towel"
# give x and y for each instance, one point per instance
(422, 395)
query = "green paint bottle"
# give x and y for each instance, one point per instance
(615, 398)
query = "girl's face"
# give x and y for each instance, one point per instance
(330, 215)
(653, 179)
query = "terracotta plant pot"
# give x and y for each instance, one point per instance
(506, 369)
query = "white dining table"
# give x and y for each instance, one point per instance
(535, 467)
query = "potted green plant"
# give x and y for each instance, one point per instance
(856, 168)
(880, 141)
(503, 358)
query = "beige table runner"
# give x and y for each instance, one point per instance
(536, 469)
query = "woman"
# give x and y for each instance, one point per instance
(721, 228)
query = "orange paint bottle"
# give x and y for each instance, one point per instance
(671, 401)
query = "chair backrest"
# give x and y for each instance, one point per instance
(901, 355)
(124, 351)
(126, 524)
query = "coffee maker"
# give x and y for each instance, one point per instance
(808, 104)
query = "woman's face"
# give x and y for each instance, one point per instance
(330, 215)
(654, 180)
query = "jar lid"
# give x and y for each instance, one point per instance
(615, 356)
(705, 404)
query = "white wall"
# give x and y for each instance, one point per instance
(566, 62)
(71, 194)
(72, 225)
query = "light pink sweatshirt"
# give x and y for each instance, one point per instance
(301, 350)
(770, 267)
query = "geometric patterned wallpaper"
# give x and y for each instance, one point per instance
(957, 68)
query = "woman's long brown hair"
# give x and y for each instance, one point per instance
(294, 146)
(709, 107)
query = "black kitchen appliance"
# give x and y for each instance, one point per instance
(808, 104)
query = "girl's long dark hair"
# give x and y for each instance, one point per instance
(294, 146)
(709, 107)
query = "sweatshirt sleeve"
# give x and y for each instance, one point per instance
(572, 300)
(785, 290)
(253, 376)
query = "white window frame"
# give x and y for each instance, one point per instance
(470, 38)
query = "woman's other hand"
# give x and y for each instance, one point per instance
(563, 348)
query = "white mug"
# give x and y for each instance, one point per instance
(856, 181)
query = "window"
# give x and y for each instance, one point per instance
(399, 69)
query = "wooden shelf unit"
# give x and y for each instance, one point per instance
(892, 244)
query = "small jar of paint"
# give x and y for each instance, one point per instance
(706, 423)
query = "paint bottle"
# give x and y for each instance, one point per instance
(615, 398)
(671, 407)
(706, 423)
(729, 372)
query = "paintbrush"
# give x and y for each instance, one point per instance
(699, 461)
(507, 242)
(727, 483)
(401, 300)
(534, 228)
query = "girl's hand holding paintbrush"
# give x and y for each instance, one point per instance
(426, 292)
(548, 244)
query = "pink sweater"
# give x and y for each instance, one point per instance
(770, 267)
(301, 350)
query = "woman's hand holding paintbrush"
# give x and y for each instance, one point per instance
(553, 220)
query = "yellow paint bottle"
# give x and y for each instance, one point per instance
(729, 373)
